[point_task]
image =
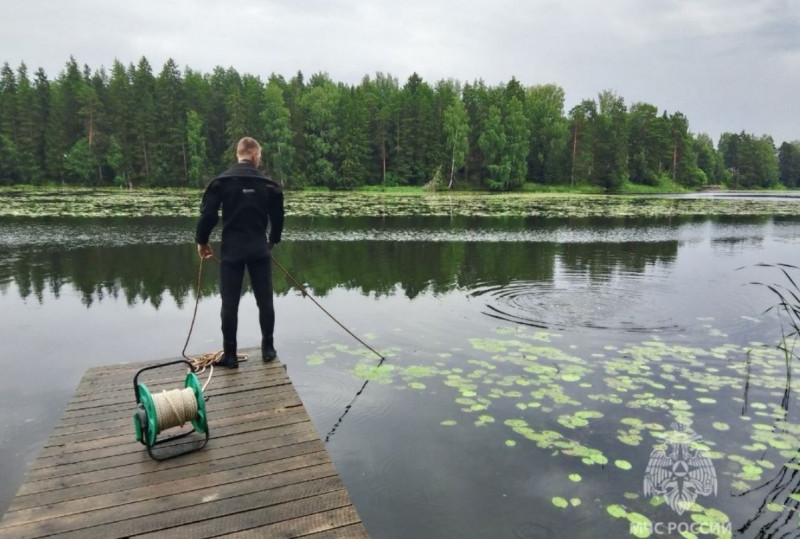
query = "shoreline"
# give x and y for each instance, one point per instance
(177, 202)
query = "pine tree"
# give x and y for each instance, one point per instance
(8, 102)
(383, 100)
(683, 164)
(581, 140)
(789, 164)
(610, 138)
(647, 143)
(170, 104)
(28, 133)
(145, 122)
(40, 118)
(354, 137)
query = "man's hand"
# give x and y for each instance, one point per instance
(204, 250)
(270, 245)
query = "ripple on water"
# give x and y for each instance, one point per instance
(623, 302)
(327, 393)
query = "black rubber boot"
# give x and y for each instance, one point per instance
(268, 352)
(229, 359)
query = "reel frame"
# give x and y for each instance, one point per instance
(145, 420)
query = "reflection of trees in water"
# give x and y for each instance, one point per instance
(598, 260)
(139, 273)
(146, 272)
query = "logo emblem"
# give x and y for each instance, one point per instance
(681, 472)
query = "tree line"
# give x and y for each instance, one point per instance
(130, 126)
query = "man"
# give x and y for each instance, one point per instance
(251, 203)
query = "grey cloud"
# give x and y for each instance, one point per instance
(729, 65)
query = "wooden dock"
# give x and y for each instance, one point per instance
(264, 473)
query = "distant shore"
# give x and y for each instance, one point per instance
(175, 202)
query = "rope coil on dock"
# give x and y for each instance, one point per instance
(175, 408)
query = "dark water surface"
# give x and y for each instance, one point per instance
(533, 365)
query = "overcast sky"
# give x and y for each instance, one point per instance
(728, 65)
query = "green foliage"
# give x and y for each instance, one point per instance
(709, 161)
(320, 105)
(610, 135)
(9, 161)
(178, 128)
(493, 143)
(116, 162)
(276, 144)
(456, 129)
(196, 145)
(648, 144)
(581, 141)
(80, 163)
(436, 183)
(416, 144)
(789, 163)
(544, 108)
(518, 143)
(751, 160)
(354, 141)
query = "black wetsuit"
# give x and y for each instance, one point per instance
(251, 203)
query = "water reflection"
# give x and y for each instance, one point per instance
(776, 503)
(646, 320)
(147, 272)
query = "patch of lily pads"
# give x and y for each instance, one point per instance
(531, 390)
(124, 202)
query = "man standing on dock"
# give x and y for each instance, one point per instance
(251, 204)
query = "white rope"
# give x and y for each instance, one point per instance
(175, 407)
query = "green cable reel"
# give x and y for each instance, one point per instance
(146, 421)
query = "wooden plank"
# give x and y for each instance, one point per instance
(67, 457)
(122, 426)
(204, 484)
(264, 472)
(300, 443)
(256, 511)
(342, 523)
(93, 465)
(187, 508)
(82, 423)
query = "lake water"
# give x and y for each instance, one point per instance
(534, 366)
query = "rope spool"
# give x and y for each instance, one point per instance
(175, 408)
(159, 412)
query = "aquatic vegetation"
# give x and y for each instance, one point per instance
(184, 202)
(526, 390)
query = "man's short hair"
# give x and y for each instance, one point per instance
(247, 146)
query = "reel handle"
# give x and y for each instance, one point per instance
(151, 367)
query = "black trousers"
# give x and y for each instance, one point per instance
(231, 275)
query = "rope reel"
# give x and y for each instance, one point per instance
(169, 409)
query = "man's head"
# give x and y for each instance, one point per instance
(248, 148)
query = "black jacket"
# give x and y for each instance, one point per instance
(250, 202)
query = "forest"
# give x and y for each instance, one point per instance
(132, 127)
